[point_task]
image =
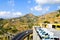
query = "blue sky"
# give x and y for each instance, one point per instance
(16, 8)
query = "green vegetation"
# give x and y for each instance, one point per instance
(1, 33)
(16, 25)
(26, 22)
(57, 15)
(46, 22)
(55, 22)
(59, 11)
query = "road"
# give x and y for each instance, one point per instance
(22, 35)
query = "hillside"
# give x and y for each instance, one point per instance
(53, 17)
(16, 25)
(26, 22)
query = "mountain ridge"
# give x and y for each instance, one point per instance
(28, 21)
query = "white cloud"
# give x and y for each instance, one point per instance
(2, 13)
(36, 8)
(39, 8)
(47, 1)
(47, 8)
(9, 14)
(17, 13)
(31, 9)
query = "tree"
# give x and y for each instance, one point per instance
(1, 33)
(57, 15)
(30, 25)
(46, 22)
(12, 29)
(59, 11)
(1, 19)
(55, 22)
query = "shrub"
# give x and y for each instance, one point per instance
(46, 22)
(57, 15)
(59, 11)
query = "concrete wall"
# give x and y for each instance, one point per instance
(35, 35)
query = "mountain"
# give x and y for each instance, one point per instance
(25, 22)
(28, 18)
(53, 17)
(28, 21)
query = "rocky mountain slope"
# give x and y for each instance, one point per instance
(28, 21)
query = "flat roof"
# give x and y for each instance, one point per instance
(56, 32)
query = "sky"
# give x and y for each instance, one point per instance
(17, 8)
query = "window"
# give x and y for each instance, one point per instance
(53, 26)
(58, 26)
